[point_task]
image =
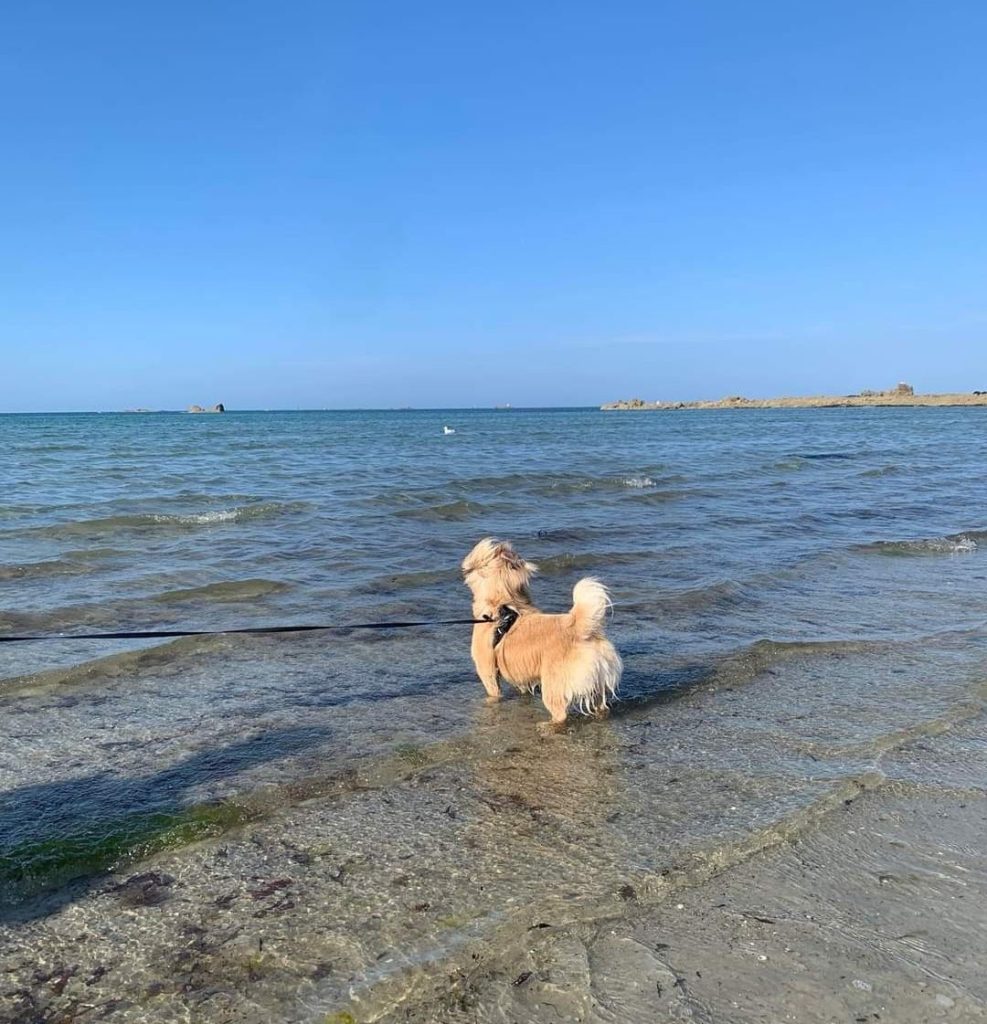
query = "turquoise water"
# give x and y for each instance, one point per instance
(720, 533)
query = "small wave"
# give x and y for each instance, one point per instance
(125, 665)
(566, 485)
(722, 593)
(408, 581)
(557, 565)
(688, 601)
(746, 664)
(954, 544)
(815, 456)
(565, 533)
(44, 449)
(18, 511)
(450, 511)
(150, 521)
(656, 497)
(97, 554)
(552, 485)
(882, 471)
(233, 590)
(36, 570)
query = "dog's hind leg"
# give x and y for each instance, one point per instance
(553, 686)
(485, 660)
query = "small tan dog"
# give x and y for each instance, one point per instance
(567, 654)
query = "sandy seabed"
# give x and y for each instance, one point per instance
(635, 870)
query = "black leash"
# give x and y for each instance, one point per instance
(164, 634)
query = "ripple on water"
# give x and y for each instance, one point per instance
(162, 521)
(955, 544)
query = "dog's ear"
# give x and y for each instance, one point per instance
(509, 556)
(513, 560)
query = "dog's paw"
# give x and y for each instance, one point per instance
(492, 698)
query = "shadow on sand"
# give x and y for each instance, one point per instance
(57, 839)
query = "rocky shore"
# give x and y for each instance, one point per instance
(903, 394)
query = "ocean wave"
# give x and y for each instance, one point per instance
(71, 563)
(408, 581)
(542, 485)
(231, 590)
(557, 565)
(733, 669)
(126, 664)
(575, 484)
(450, 511)
(150, 521)
(20, 511)
(751, 661)
(952, 544)
(98, 554)
(43, 449)
(656, 497)
(718, 594)
(567, 534)
(38, 570)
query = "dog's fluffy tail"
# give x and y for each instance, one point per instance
(590, 604)
(600, 667)
(591, 688)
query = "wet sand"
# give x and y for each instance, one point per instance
(875, 914)
(639, 869)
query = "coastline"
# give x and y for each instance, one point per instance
(876, 400)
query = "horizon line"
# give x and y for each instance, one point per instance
(298, 409)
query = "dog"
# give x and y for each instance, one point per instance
(567, 655)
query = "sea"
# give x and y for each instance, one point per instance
(824, 570)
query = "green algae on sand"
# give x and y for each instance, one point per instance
(35, 866)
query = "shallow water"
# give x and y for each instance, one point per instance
(799, 600)
(715, 530)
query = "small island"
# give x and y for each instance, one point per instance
(219, 407)
(903, 394)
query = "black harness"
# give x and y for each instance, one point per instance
(506, 617)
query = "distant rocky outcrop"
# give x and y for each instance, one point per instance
(219, 407)
(901, 394)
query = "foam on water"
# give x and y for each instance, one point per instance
(958, 544)
(119, 524)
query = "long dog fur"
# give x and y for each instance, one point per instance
(568, 655)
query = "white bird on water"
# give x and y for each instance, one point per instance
(448, 430)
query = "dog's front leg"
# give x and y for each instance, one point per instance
(485, 660)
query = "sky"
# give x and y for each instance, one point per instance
(444, 204)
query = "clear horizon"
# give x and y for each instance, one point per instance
(360, 207)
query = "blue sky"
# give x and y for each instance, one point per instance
(317, 204)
